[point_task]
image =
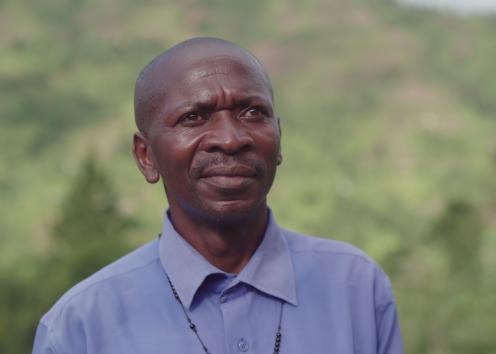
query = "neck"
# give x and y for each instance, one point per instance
(228, 246)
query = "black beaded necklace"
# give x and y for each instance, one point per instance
(194, 328)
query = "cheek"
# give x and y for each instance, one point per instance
(174, 152)
(268, 144)
(185, 139)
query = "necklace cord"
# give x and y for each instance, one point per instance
(194, 328)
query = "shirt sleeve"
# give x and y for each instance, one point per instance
(41, 341)
(389, 335)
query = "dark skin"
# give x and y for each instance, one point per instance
(209, 131)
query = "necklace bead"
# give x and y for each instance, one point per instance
(193, 327)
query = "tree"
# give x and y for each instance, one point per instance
(459, 231)
(91, 231)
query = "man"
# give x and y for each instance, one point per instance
(222, 277)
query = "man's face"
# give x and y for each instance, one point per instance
(215, 140)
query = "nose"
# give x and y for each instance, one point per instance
(227, 135)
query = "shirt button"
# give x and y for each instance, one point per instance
(243, 345)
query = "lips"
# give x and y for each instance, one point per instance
(229, 171)
(229, 177)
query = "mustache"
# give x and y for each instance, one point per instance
(225, 161)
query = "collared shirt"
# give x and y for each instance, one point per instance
(334, 299)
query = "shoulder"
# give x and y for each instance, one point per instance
(110, 278)
(306, 244)
(327, 262)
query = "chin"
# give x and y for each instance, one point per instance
(232, 212)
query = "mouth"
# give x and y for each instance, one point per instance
(235, 177)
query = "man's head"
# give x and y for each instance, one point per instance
(207, 127)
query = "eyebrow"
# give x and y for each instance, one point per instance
(209, 103)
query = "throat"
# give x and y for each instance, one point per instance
(228, 252)
(227, 248)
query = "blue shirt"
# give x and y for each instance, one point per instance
(336, 300)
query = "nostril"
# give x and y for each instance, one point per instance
(231, 146)
(214, 149)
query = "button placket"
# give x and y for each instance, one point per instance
(234, 312)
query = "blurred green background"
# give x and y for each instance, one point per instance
(389, 141)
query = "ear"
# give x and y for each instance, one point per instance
(144, 158)
(279, 156)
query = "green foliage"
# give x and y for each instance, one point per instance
(18, 299)
(90, 233)
(91, 230)
(459, 233)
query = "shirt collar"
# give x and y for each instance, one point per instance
(270, 269)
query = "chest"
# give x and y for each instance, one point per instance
(242, 321)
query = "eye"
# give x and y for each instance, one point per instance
(254, 113)
(192, 119)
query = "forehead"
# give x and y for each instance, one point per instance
(220, 75)
(209, 75)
